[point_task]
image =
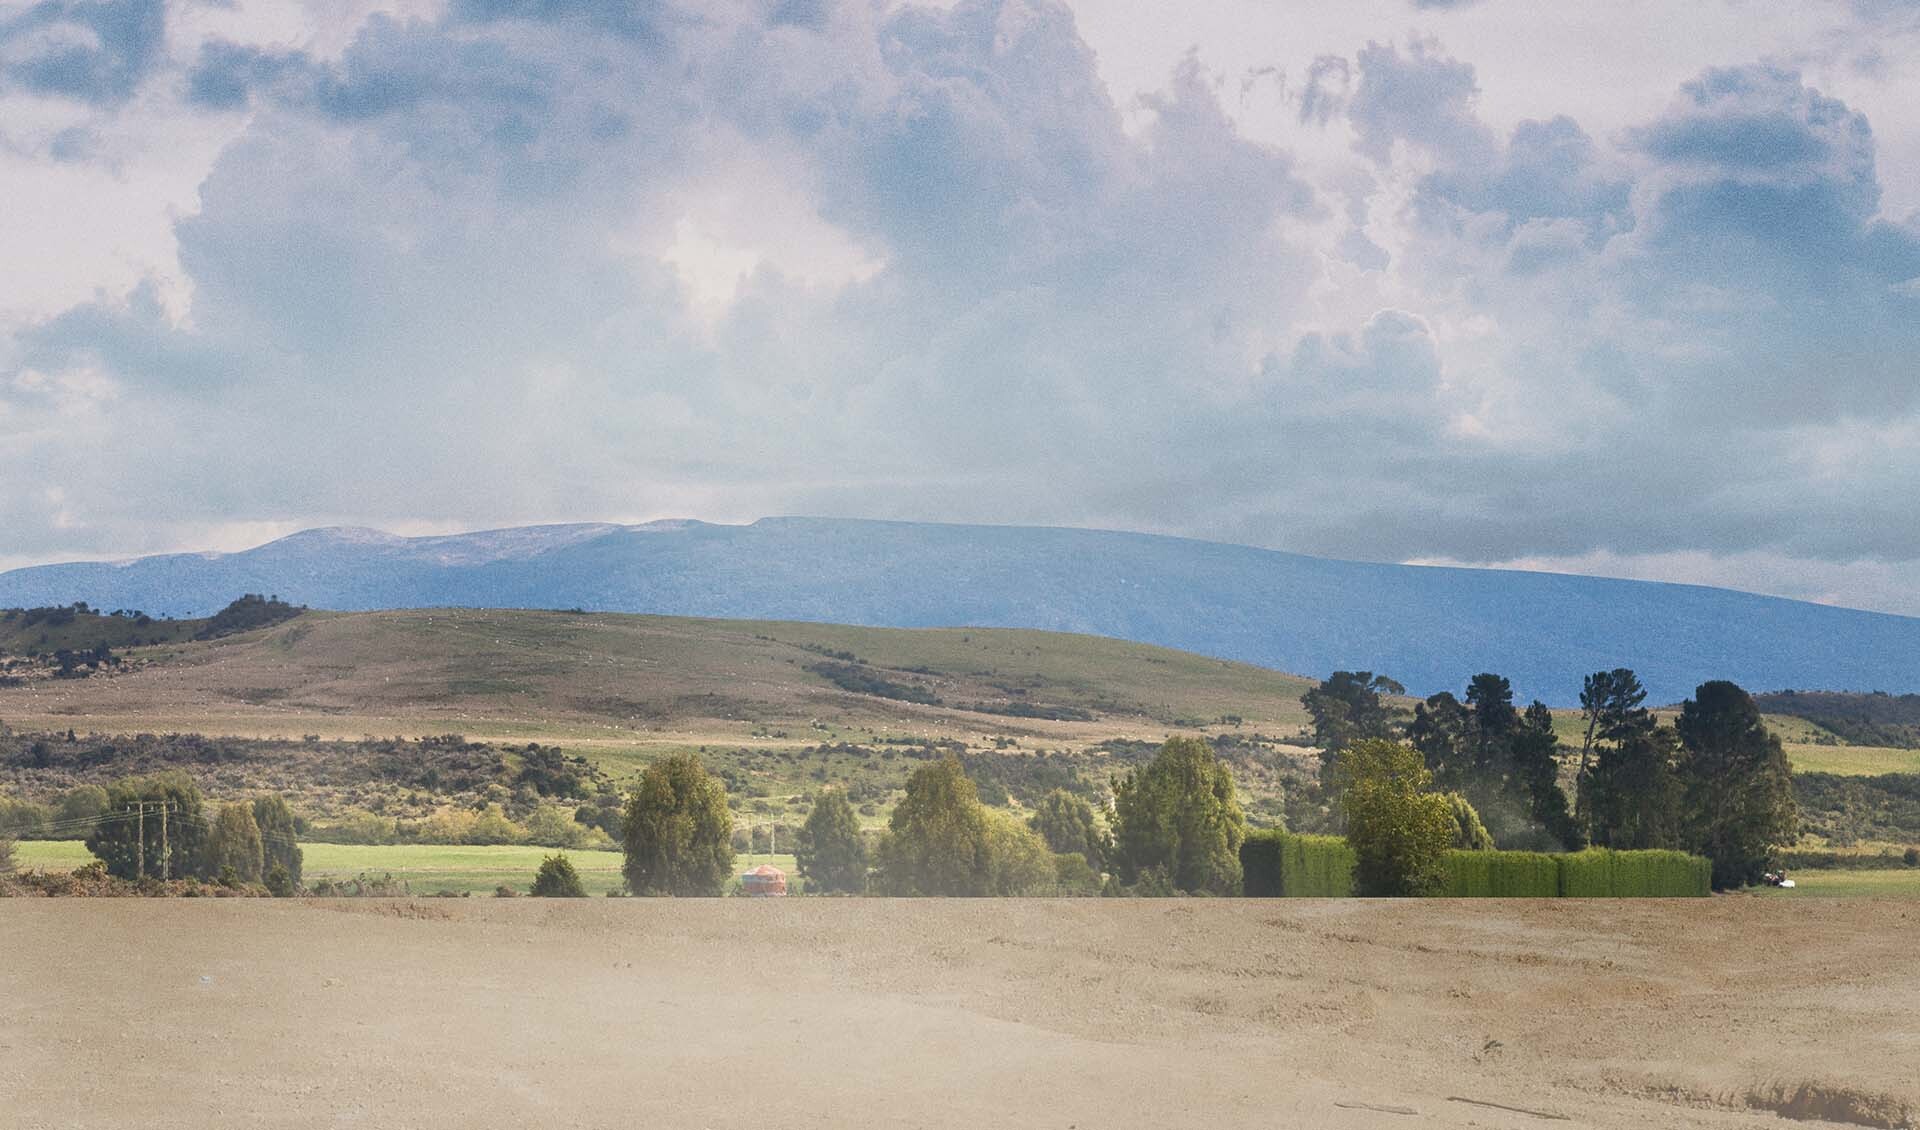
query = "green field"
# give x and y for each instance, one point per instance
(1852, 760)
(425, 868)
(1892, 884)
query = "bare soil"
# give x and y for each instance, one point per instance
(928, 1013)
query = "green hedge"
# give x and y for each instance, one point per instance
(1277, 864)
(1599, 873)
(1260, 863)
(1274, 864)
(1502, 874)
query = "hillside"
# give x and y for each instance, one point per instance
(626, 678)
(1430, 628)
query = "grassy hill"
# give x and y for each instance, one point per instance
(611, 678)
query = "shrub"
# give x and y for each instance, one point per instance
(550, 825)
(1179, 812)
(679, 834)
(280, 884)
(6, 856)
(1912, 857)
(1501, 874)
(1073, 875)
(831, 853)
(557, 879)
(1399, 831)
(1070, 827)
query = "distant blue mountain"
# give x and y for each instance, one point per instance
(1430, 628)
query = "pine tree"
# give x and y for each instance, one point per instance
(1737, 788)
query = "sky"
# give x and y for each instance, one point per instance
(1628, 288)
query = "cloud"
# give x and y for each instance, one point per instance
(543, 260)
(95, 51)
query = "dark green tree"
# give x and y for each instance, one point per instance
(1399, 829)
(175, 846)
(1610, 706)
(679, 834)
(557, 879)
(1070, 827)
(1178, 813)
(1535, 760)
(233, 850)
(831, 854)
(1631, 794)
(1736, 785)
(1347, 707)
(278, 837)
(937, 840)
(1442, 732)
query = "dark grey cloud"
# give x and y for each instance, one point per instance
(95, 51)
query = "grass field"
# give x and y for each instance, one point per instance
(1852, 760)
(425, 868)
(1888, 884)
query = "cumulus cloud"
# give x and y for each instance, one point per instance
(521, 260)
(91, 50)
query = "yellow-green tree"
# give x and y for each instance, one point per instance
(1177, 816)
(679, 834)
(1399, 829)
(937, 840)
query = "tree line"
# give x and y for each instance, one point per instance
(1713, 782)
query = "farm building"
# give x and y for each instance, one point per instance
(764, 881)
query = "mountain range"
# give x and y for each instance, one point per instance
(1431, 628)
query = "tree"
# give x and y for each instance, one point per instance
(1442, 732)
(1070, 827)
(81, 806)
(278, 838)
(1346, 708)
(1631, 794)
(1534, 753)
(557, 879)
(1400, 831)
(1179, 813)
(233, 851)
(1736, 785)
(679, 834)
(6, 855)
(173, 846)
(937, 840)
(1610, 703)
(831, 854)
(1469, 833)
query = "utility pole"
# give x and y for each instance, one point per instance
(140, 834)
(166, 859)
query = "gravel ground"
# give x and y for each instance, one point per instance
(932, 1013)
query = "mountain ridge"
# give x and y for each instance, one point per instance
(1431, 627)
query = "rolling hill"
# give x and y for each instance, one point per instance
(614, 679)
(1431, 628)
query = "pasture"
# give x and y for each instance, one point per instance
(425, 868)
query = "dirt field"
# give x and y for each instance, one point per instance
(818, 1013)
